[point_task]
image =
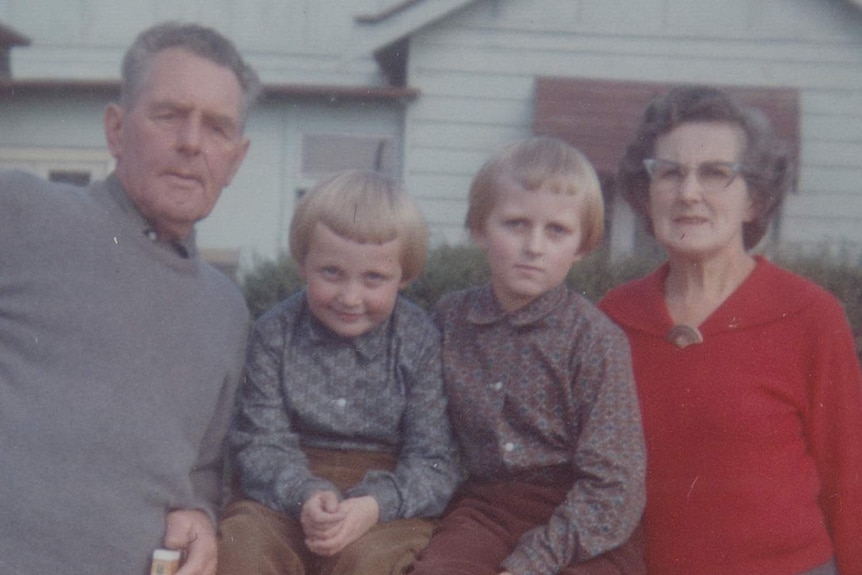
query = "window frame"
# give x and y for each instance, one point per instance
(97, 163)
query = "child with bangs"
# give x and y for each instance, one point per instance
(540, 386)
(342, 442)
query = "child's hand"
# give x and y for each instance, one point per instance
(361, 514)
(321, 514)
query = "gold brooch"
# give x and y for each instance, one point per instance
(683, 336)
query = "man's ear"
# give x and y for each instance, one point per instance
(236, 161)
(113, 123)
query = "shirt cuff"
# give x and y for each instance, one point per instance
(381, 486)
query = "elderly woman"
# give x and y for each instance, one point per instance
(748, 378)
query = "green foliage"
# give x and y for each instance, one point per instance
(451, 268)
(838, 275)
(596, 274)
(269, 282)
(448, 268)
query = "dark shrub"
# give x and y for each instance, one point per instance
(449, 268)
(269, 282)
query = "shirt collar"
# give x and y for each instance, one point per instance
(368, 345)
(768, 292)
(486, 309)
(185, 248)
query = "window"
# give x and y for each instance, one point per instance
(324, 153)
(600, 117)
(69, 165)
(75, 177)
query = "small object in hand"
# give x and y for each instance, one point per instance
(165, 562)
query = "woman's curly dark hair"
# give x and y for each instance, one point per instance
(767, 166)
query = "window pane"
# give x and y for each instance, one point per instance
(74, 177)
(326, 153)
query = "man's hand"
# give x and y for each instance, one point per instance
(358, 515)
(192, 532)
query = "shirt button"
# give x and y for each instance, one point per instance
(341, 402)
(498, 386)
(509, 446)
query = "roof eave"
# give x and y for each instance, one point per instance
(271, 92)
(377, 31)
(339, 93)
(10, 37)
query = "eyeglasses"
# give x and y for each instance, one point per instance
(712, 176)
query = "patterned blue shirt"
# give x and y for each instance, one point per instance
(306, 387)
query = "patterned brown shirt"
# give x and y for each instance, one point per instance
(547, 387)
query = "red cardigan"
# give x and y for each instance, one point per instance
(754, 437)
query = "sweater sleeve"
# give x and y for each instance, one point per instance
(426, 473)
(605, 503)
(834, 429)
(273, 469)
(208, 472)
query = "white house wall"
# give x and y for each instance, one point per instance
(292, 42)
(297, 41)
(52, 122)
(254, 213)
(476, 75)
(474, 71)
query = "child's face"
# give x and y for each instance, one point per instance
(532, 239)
(351, 287)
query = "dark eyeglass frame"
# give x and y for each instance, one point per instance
(736, 168)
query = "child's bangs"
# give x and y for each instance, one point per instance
(536, 178)
(364, 222)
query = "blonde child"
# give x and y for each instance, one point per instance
(540, 386)
(342, 441)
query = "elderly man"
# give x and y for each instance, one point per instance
(120, 349)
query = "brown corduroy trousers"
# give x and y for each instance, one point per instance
(256, 540)
(485, 521)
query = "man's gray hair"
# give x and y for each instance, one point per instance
(200, 41)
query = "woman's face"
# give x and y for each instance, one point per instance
(698, 199)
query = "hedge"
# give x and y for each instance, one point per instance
(456, 267)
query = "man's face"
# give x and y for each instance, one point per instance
(180, 142)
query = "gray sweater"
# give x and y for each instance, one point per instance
(119, 360)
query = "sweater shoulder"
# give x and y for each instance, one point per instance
(14, 182)
(774, 293)
(23, 195)
(795, 285)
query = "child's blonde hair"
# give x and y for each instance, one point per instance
(366, 207)
(540, 163)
